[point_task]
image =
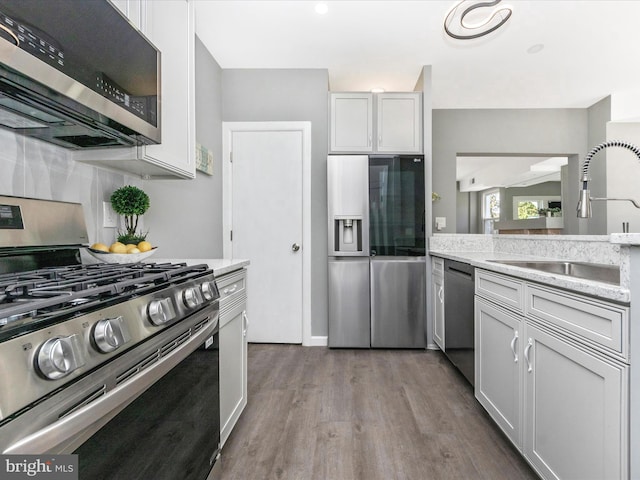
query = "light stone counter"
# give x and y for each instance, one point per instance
(220, 266)
(625, 238)
(479, 250)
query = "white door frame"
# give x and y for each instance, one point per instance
(305, 127)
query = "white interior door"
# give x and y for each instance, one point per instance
(266, 224)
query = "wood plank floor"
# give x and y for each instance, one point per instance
(317, 413)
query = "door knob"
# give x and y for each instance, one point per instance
(295, 247)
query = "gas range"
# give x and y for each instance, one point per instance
(83, 344)
(32, 299)
(59, 323)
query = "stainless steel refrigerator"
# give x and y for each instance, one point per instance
(376, 258)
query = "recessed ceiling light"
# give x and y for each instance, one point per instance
(321, 8)
(535, 48)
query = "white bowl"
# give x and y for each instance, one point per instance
(108, 257)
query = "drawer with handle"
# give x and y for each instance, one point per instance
(231, 284)
(601, 324)
(437, 266)
(505, 291)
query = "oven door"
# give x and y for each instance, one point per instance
(162, 423)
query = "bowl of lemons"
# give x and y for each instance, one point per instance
(120, 253)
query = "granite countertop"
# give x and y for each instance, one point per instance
(482, 260)
(220, 266)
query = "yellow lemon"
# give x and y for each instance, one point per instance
(100, 246)
(133, 250)
(117, 247)
(144, 246)
(130, 246)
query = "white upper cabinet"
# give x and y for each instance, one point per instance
(351, 122)
(169, 25)
(134, 10)
(397, 127)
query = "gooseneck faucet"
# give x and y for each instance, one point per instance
(584, 204)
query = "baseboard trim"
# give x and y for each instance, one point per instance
(318, 341)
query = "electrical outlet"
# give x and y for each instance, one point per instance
(441, 222)
(109, 217)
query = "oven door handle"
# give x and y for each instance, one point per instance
(57, 437)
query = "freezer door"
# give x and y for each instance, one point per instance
(348, 205)
(349, 303)
(398, 302)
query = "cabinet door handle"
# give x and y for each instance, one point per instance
(246, 323)
(370, 140)
(526, 355)
(379, 140)
(441, 294)
(227, 291)
(513, 346)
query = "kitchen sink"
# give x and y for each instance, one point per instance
(588, 271)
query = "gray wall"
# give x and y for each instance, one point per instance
(292, 95)
(623, 171)
(499, 131)
(599, 115)
(185, 217)
(542, 189)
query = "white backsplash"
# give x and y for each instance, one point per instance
(35, 169)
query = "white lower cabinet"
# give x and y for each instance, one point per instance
(498, 374)
(559, 398)
(575, 415)
(233, 350)
(437, 300)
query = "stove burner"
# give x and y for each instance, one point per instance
(67, 290)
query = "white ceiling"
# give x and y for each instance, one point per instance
(477, 173)
(591, 48)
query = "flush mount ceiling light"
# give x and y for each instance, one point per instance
(470, 19)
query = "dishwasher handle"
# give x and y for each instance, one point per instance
(460, 272)
(459, 268)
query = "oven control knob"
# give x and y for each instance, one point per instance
(109, 334)
(209, 291)
(59, 356)
(161, 311)
(191, 297)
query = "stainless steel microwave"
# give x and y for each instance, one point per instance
(77, 74)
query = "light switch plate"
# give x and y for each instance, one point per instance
(109, 216)
(441, 222)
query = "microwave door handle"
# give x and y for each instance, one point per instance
(61, 433)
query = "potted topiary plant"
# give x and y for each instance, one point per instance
(130, 202)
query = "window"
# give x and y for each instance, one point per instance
(527, 209)
(529, 206)
(490, 209)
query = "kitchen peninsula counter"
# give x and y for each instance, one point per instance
(482, 250)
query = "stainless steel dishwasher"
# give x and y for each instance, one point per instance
(459, 289)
